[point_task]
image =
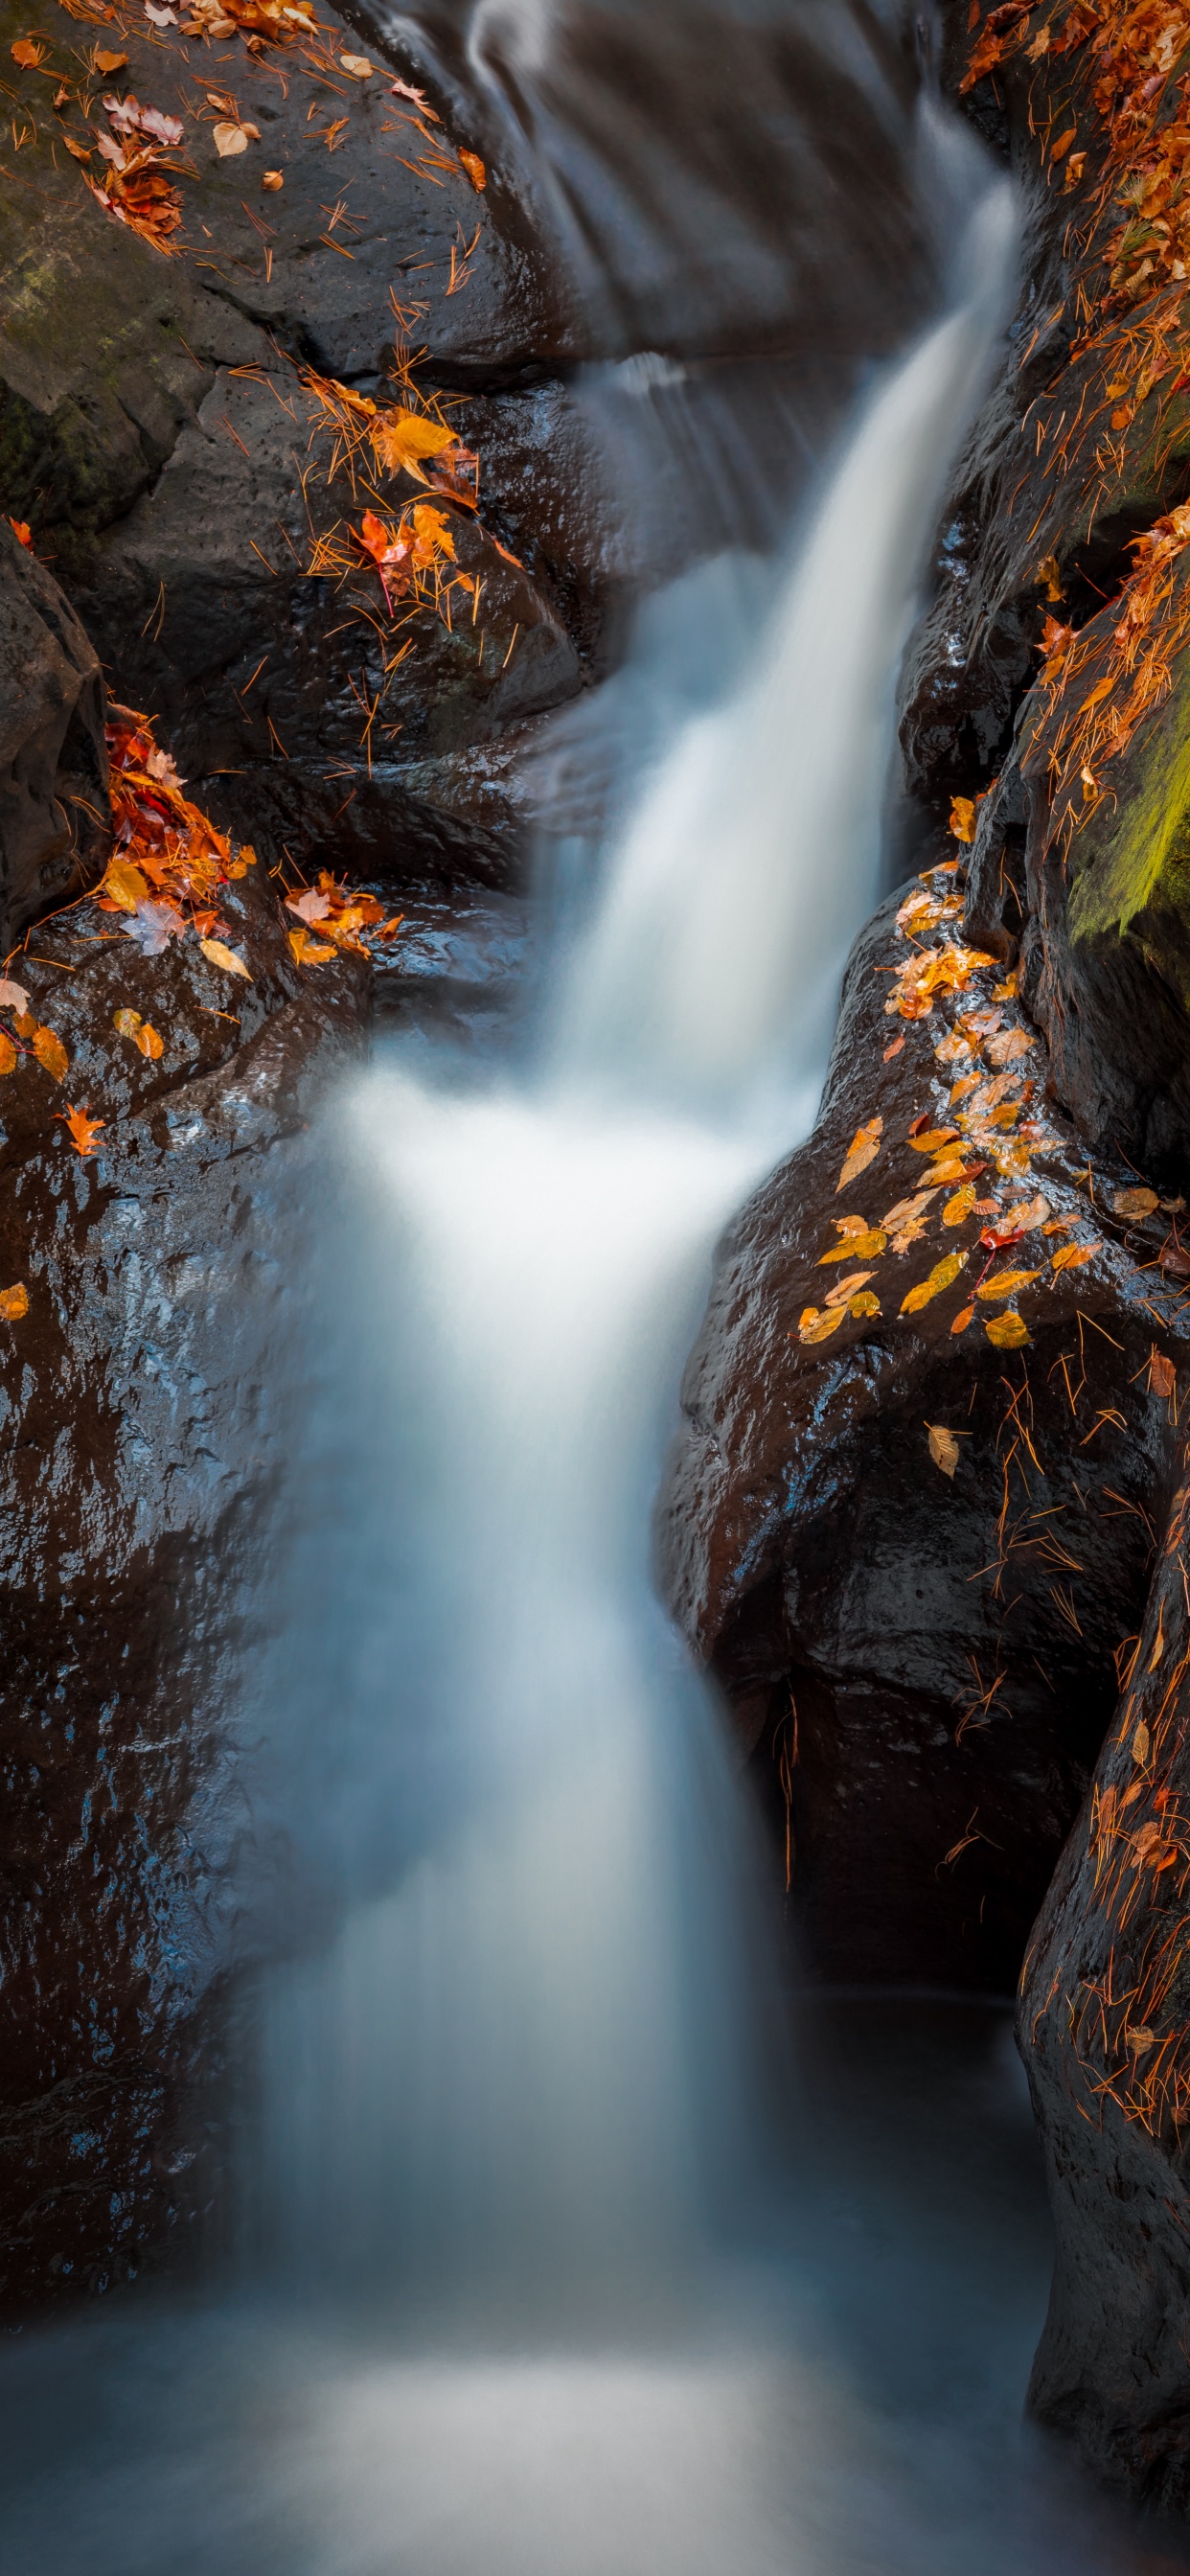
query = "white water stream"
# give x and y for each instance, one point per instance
(528, 2077)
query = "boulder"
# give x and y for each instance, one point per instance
(53, 758)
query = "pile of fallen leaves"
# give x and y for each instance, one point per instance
(168, 860)
(331, 917)
(991, 1136)
(1135, 670)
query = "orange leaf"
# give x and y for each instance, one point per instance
(124, 885)
(50, 1052)
(82, 1127)
(1135, 1203)
(1008, 1283)
(22, 532)
(1163, 1376)
(864, 1245)
(475, 169)
(962, 818)
(818, 1328)
(8, 1053)
(965, 1316)
(958, 1209)
(309, 952)
(149, 1042)
(27, 53)
(1073, 1256)
(1059, 150)
(110, 62)
(14, 1302)
(933, 1140)
(864, 1147)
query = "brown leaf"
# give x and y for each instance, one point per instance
(27, 53)
(229, 139)
(272, 179)
(475, 170)
(14, 1302)
(944, 1448)
(1008, 1048)
(1135, 1203)
(864, 1147)
(848, 1287)
(356, 66)
(50, 1052)
(1009, 1332)
(941, 1276)
(1163, 1376)
(907, 1211)
(81, 151)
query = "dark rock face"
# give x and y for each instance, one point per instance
(922, 1667)
(53, 759)
(140, 1408)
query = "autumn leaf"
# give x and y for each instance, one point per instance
(941, 1276)
(962, 818)
(475, 169)
(8, 1054)
(1008, 1283)
(220, 955)
(965, 1316)
(228, 140)
(126, 1023)
(13, 997)
(356, 66)
(272, 179)
(1135, 1203)
(149, 1042)
(1163, 1376)
(1027, 1214)
(865, 1245)
(845, 1289)
(864, 1304)
(1074, 1256)
(124, 885)
(907, 1211)
(311, 952)
(14, 1302)
(1009, 1332)
(23, 533)
(109, 63)
(1140, 1744)
(153, 925)
(864, 1147)
(82, 1127)
(401, 438)
(27, 53)
(1009, 1047)
(818, 1328)
(958, 1209)
(944, 1448)
(933, 1140)
(50, 1052)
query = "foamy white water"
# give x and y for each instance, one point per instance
(526, 2075)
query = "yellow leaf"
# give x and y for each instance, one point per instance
(948, 1169)
(126, 1023)
(1140, 1743)
(864, 1147)
(958, 1209)
(1135, 1203)
(1009, 1332)
(944, 1448)
(818, 1328)
(401, 438)
(1073, 1255)
(962, 818)
(1008, 1283)
(50, 1052)
(933, 1141)
(845, 1289)
(856, 1247)
(865, 1304)
(124, 885)
(220, 955)
(941, 1276)
(14, 1302)
(149, 1042)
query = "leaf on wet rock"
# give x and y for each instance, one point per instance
(50, 1052)
(941, 1276)
(228, 139)
(908, 1211)
(962, 818)
(864, 1147)
(150, 1042)
(475, 170)
(933, 1139)
(1163, 1376)
(965, 1316)
(1027, 1214)
(1009, 1332)
(865, 1304)
(28, 53)
(153, 926)
(944, 1448)
(14, 1302)
(1007, 1284)
(1074, 1256)
(1009, 1047)
(124, 886)
(958, 1209)
(126, 1023)
(83, 1129)
(1135, 1203)
(815, 1327)
(315, 952)
(1140, 1743)
(9, 1059)
(845, 1289)
(218, 954)
(356, 66)
(13, 997)
(862, 1244)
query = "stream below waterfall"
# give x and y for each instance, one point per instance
(566, 2240)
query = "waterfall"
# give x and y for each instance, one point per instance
(528, 2066)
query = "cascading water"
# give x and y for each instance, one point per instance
(525, 2071)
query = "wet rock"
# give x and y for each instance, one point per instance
(920, 1664)
(53, 759)
(140, 1400)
